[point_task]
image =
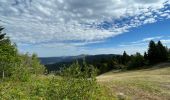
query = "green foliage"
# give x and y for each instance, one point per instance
(68, 86)
(77, 83)
(137, 61)
(8, 55)
(15, 65)
(157, 52)
(27, 66)
(77, 71)
(125, 58)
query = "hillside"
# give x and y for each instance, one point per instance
(56, 63)
(64, 59)
(146, 84)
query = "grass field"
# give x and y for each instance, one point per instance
(146, 84)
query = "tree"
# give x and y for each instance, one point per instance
(136, 61)
(8, 54)
(162, 52)
(168, 54)
(157, 52)
(145, 56)
(152, 52)
(2, 35)
(125, 58)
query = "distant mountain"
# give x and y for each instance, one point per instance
(52, 60)
(56, 63)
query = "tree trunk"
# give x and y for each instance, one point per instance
(3, 74)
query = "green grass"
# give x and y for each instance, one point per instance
(146, 84)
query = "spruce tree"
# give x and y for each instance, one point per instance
(125, 58)
(2, 35)
(152, 55)
(145, 56)
(157, 52)
(162, 52)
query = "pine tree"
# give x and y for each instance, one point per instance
(157, 52)
(152, 55)
(145, 56)
(162, 52)
(2, 35)
(125, 58)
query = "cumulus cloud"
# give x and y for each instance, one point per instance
(85, 21)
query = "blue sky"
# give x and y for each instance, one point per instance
(74, 27)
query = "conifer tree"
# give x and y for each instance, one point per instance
(152, 55)
(2, 35)
(157, 52)
(162, 52)
(145, 56)
(125, 58)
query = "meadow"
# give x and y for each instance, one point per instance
(145, 84)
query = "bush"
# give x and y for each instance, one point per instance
(74, 83)
(26, 67)
(77, 83)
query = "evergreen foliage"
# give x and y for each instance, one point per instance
(125, 58)
(157, 52)
(137, 61)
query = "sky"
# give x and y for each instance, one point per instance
(53, 28)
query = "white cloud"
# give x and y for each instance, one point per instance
(167, 41)
(41, 21)
(151, 38)
(143, 42)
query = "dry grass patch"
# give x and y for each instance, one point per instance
(147, 84)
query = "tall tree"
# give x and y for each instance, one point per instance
(2, 35)
(125, 58)
(157, 52)
(145, 56)
(152, 52)
(162, 52)
(8, 54)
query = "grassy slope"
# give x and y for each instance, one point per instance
(146, 84)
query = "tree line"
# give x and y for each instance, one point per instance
(156, 53)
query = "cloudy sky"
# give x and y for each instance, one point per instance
(73, 27)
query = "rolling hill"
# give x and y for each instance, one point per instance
(56, 63)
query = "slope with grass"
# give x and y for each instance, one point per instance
(146, 84)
